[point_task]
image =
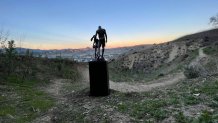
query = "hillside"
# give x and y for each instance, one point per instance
(164, 58)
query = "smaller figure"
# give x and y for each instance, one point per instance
(95, 44)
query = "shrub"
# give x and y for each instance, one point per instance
(205, 117)
(161, 74)
(10, 57)
(212, 66)
(192, 72)
(211, 50)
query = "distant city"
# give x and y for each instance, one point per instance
(84, 55)
(79, 55)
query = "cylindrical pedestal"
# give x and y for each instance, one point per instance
(99, 81)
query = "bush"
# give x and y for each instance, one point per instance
(192, 72)
(211, 50)
(212, 66)
(9, 61)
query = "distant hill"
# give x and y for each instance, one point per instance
(40, 51)
(212, 34)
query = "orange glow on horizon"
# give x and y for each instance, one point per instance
(109, 44)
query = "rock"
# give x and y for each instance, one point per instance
(196, 94)
(211, 110)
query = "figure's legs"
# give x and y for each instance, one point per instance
(102, 52)
(99, 47)
(95, 52)
(103, 45)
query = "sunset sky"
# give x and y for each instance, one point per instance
(58, 24)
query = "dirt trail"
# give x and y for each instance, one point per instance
(54, 89)
(200, 56)
(173, 53)
(126, 87)
(165, 81)
(201, 53)
(84, 72)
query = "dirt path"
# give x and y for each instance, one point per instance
(200, 56)
(165, 81)
(53, 89)
(173, 53)
(84, 72)
(79, 101)
(201, 53)
(126, 87)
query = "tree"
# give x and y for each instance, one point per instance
(3, 38)
(29, 53)
(10, 56)
(214, 20)
(28, 63)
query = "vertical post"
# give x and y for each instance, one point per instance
(99, 81)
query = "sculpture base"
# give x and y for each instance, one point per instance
(99, 81)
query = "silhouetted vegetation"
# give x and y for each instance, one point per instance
(192, 72)
(211, 50)
(214, 20)
(9, 57)
(27, 66)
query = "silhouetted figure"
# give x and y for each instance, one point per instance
(98, 69)
(102, 36)
(95, 44)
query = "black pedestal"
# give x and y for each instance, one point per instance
(99, 81)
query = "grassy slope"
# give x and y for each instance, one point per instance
(178, 102)
(160, 104)
(21, 99)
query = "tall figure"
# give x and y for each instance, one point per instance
(102, 36)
